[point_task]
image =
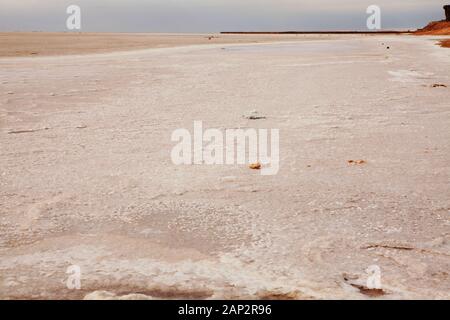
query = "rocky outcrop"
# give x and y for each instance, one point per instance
(435, 28)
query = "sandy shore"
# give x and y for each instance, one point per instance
(86, 176)
(22, 44)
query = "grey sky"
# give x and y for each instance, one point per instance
(215, 15)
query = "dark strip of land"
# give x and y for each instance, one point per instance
(317, 32)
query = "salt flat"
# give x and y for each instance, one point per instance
(86, 176)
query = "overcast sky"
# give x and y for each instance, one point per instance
(215, 15)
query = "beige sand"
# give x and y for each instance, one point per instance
(86, 177)
(18, 44)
